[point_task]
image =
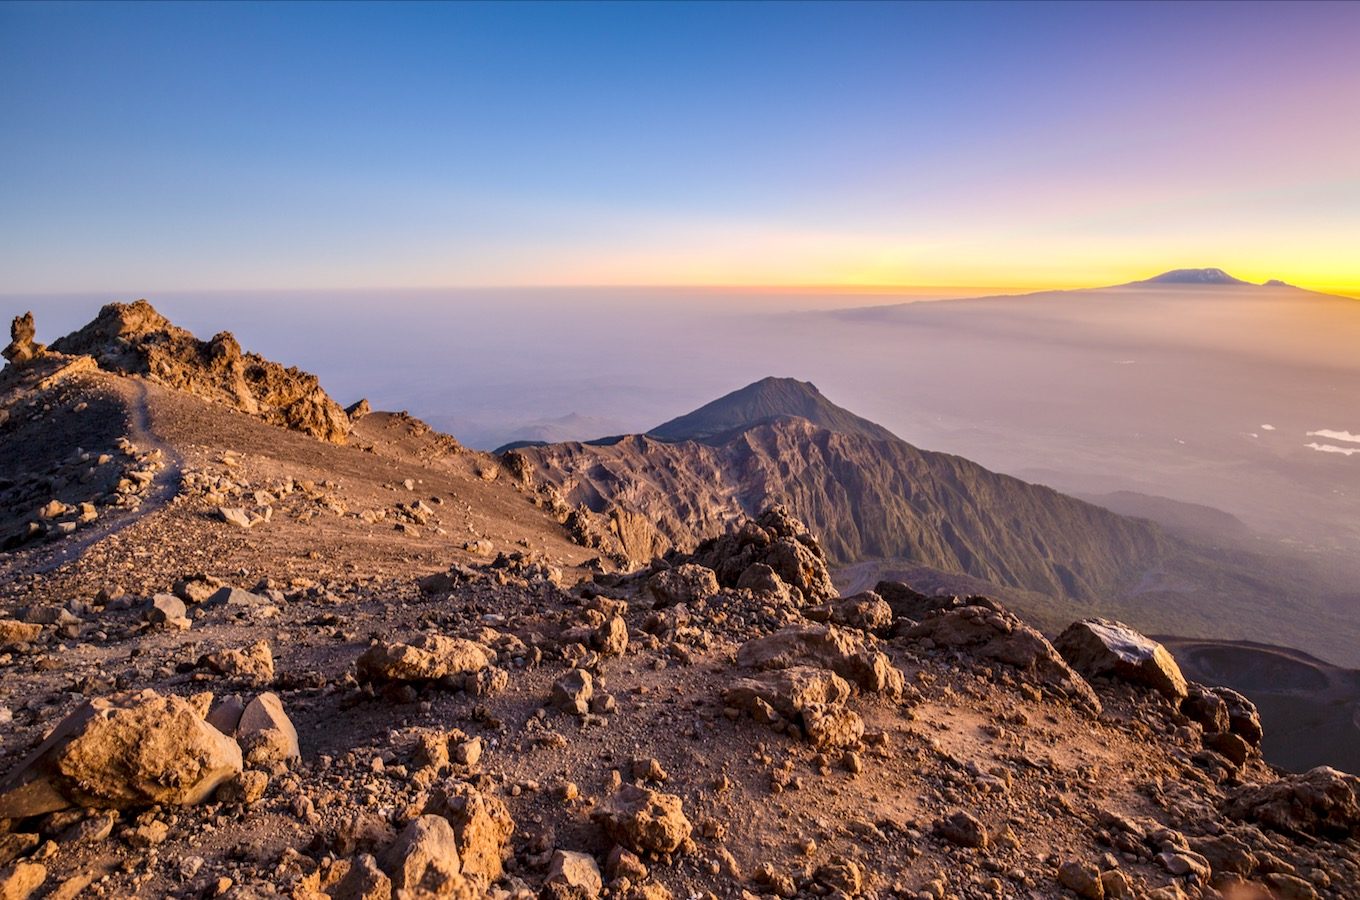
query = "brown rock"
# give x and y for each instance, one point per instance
(572, 692)
(572, 876)
(12, 631)
(1243, 720)
(266, 733)
(22, 880)
(364, 881)
(424, 857)
(254, 663)
(122, 751)
(1321, 802)
(963, 829)
(481, 824)
(1104, 647)
(832, 727)
(789, 691)
(1082, 879)
(824, 646)
(644, 820)
(426, 658)
(686, 583)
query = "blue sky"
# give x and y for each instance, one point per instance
(163, 146)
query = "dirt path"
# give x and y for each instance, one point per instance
(163, 489)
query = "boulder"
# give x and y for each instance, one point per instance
(21, 880)
(424, 857)
(265, 732)
(685, 583)
(1321, 802)
(482, 827)
(234, 515)
(1243, 719)
(572, 876)
(12, 631)
(832, 727)
(789, 691)
(123, 751)
(963, 829)
(254, 663)
(1096, 647)
(364, 880)
(867, 612)
(1207, 708)
(572, 692)
(828, 647)
(426, 658)
(164, 609)
(990, 632)
(644, 820)
(21, 346)
(777, 541)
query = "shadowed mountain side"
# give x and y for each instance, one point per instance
(867, 499)
(1310, 708)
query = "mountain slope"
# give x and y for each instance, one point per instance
(769, 398)
(866, 495)
(1193, 276)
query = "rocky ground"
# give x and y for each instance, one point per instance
(276, 665)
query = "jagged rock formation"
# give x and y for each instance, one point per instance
(22, 347)
(134, 339)
(865, 498)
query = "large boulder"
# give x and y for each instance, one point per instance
(123, 751)
(1243, 719)
(572, 876)
(685, 583)
(265, 732)
(788, 691)
(824, 646)
(989, 632)
(1097, 647)
(424, 857)
(482, 827)
(1321, 802)
(644, 820)
(867, 612)
(428, 657)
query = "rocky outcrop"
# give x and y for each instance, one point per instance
(1101, 647)
(123, 751)
(989, 632)
(775, 541)
(134, 339)
(1321, 802)
(22, 347)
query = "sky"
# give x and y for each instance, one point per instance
(157, 147)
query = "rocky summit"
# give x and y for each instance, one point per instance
(253, 646)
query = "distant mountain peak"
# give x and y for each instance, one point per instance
(1193, 276)
(762, 401)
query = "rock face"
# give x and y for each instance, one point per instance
(134, 339)
(990, 632)
(123, 751)
(22, 347)
(1097, 647)
(427, 658)
(572, 876)
(644, 820)
(1321, 802)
